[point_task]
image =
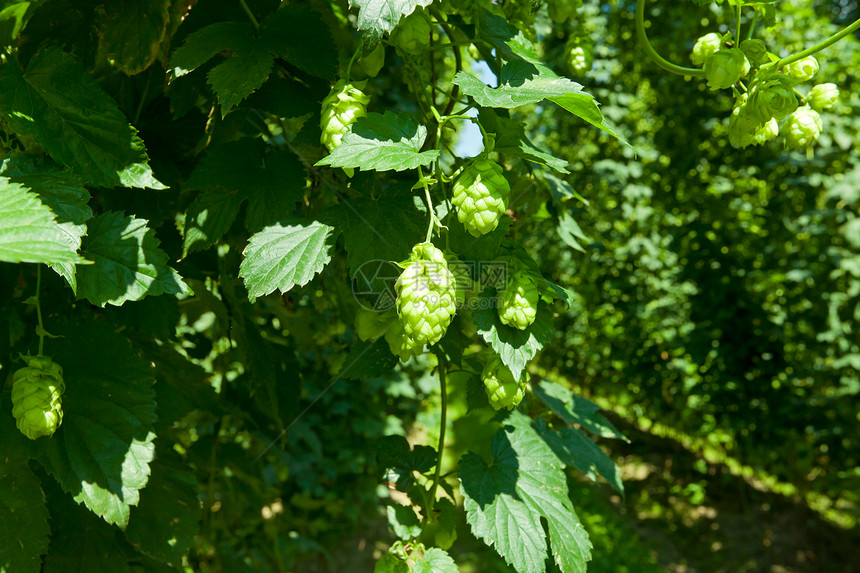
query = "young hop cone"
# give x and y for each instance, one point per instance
(802, 128)
(561, 11)
(823, 96)
(401, 345)
(705, 46)
(579, 56)
(480, 194)
(426, 296)
(725, 67)
(802, 70)
(412, 35)
(772, 97)
(37, 391)
(502, 390)
(518, 301)
(343, 105)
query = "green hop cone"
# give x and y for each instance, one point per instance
(802, 128)
(412, 35)
(766, 132)
(802, 70)
(742, 126)
(401, 345)
(705, 46)
(502, 390)
(480, 194)
(343, 105)
(772, 97)
(37, 391)
(725, 67)
(518, 301)
(426, 295)
(823, 96)
(373, 62)
(560, 11)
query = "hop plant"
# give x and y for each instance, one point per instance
(579, 56)
(343, 105)
(771, 97)
(705, 46)
(480, 194)
(37, 391)
(802, 128)
(802, 70)
(518, 301)
(426, 296)
(823, 96)
(725, 67)
(502, 390)
(745, 129)
(562, 10)
(412, 35)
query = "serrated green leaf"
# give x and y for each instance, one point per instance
(78, 124)
(202, 45)
(129, 264)
(523, 83)
(131, 32)
(507, 39)
(575, 449)
(24, 527)
(282, 256)
(368, 359)
(82, 542)
(515, 347)
(166, 520)
(240, 75)
(101, 452)
(29, 231)
(391, 141)
(289, 31)
(404, 522)
(575, 409)
(64, 194)
(435, 560)
(511, 140)
(570, 232)
(383, 15)
(398, 462)
(391, 563)
(551, 291)
(506, 500)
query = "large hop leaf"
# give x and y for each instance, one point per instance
(518, 301)
(481, 195)
(36, 397)
(503, 391)
(343, 105)
(426, 292)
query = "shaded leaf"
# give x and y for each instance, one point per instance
(24, 527)
(515, 347)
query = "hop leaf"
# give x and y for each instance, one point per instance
(343, 105)
(802, 128)
(412, 35)
(518, 301)
(705, 46)
(481, 195)
(426, 293)
(802, 70)
(36, 397)
(725, 67)
(823, 96)
(502, 390)
(371, 324)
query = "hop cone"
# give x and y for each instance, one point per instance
(773, 97)
(36, 397)
(561, 10)
(502, 390)
(481, 195)
(401, 345)
(823, 96)
(579, 56)
(802, 70)
(518, 301)
(373, 62)
(802, 128)
(426, 293)
(705, 46)
(725, 67)
(343, 105)
(412, 35)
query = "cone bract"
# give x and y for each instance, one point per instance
(803, 69)
(426, 293)
(412, 35)
(37, 391)
(705, 46)
(343, 105)
(773, 97)
(518, 301)
(501, 388)
(480, 194)
(802, 128)
(823, 96)
(725, 67)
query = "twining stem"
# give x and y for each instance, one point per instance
(442, 424)
(738, 35)
(41, 331)
(824, 44)
(652, 53)
(433, 221)
(250, 14)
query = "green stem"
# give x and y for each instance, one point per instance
(738, 35)
(652, 53)
(817, 47)
(442, 424)
(41, 330)
(349, 65)
(751, 31)
(432, 224)
(250, 15)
